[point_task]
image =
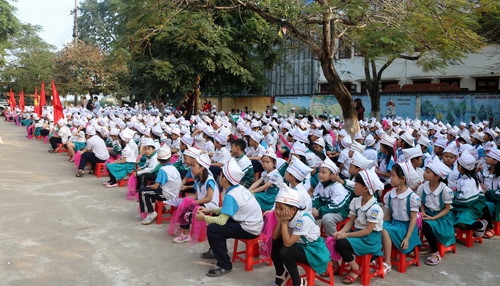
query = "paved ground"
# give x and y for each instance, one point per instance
(57, 229)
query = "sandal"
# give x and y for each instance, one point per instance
(349, 279)
(80, 173)
(480, 232)
(208, 255)
(281, 280)
(216, 271)
(489, 233)
(433, 260)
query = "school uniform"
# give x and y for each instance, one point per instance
(492, 192)
(120, 171)
(266, 198)
(468, 202)
(371, 212)
(400, 206)
(332, 202)
(434, 202)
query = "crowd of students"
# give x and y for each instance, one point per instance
(293, 179)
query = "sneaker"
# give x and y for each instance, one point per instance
(149, 218)
(480, 232)
(111, 185)
(387, 268)
(182, 238)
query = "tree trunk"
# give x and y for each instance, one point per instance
(343, 96)
(375, 102)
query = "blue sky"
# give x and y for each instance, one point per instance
(53, 15)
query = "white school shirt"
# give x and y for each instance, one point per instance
(64, 133)
(453, 176)
(371, 211)
(201, 191)
(344, 159)
(128, 153)
(398, 204)
(221, 155)
(98, 146)
(305, 199)
(242, 207)
(274, 177)
(304, 225)
(432, 199)
(209, 147)
(172, 186)
(255, 152)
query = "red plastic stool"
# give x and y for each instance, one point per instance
(251, 253)
(161, 211)
(61, 148)
(368, 271)
(101, 170)
(496, 227)
(441, 247)
(400, 261)
(467, 237)
(311, 275)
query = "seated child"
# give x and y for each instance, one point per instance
(265, 189)
(490, 179)
(295, 174)
(401, 205)
(436, 199)
(330, 199)
(367, 217)
(296, 238)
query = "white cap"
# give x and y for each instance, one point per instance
(440, 143)
(221, 138)
(126, 134)
(298, 149)
(467, 161)
(328, 163)
(408, 139)
(320, 141)
(371, 180)
(438, 167)
(256, 137)
(355, 146)
(360, 161)
(451, 148)
(233, 172)
(270, 153)
(346, 141)
(388, 140)
(90, 130)
(478, 135)
(192, 152)
(164, 153)
(369, 140)
(203, 160)
(408, 170)
(187, 140)
(298, 169)
(494, 153)
(288, 196)
(411, 153)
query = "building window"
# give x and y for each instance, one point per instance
(384, 84)
(487, 84)
(451, 81)
(421, 81)
(326, 88)
(351, 87)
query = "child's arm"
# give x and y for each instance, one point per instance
(207, 198)
(360, 233)
(443, 212)
(413, 222)
(262, 188)
(256, 184)
(387, 214)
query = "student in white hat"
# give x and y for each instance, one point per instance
(468, 203)
(414, 156)
(221, 155)
(386, 160)
(367, 217)
(296, 238)
(124, 166)
(330, 198)
(436, 199)
(166, 187)
(401, 206)
(238, 147)
(240, 217)
(147, 171)
(266, 187)
(254, 152)
(490, 181)
(206, 194)
(60, 135)
(405, 141)
(295, 175)
(449, 158)
(95, 151)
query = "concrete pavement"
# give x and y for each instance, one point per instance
(56, 229)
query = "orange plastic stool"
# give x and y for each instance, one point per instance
(61, 148)
(467, 237)
(159, 208)
(368, 271)
(101, 170)
(400, 261)
(496, 227)
(251, 253)
(311, 275)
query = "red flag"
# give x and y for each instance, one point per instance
(56, 102)
(42, 96)
(12, 101)
(21, 100)
(38, 109)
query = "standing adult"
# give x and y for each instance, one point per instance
(359, 108)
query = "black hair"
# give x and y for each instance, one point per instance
(441, 180)
(497, 169)
(471, 174)
(389, 155)
(240, 143)
(164, 161)
(399, 170)
(320, 154)
(359, 179)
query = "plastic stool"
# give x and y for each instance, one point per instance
(368, 271)
(61, 148)
(159, 205)
(101, 170)
(400, 260)
(467, 237)
(311, 275)
(251, 253)
(496, 227)
(441, 247)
